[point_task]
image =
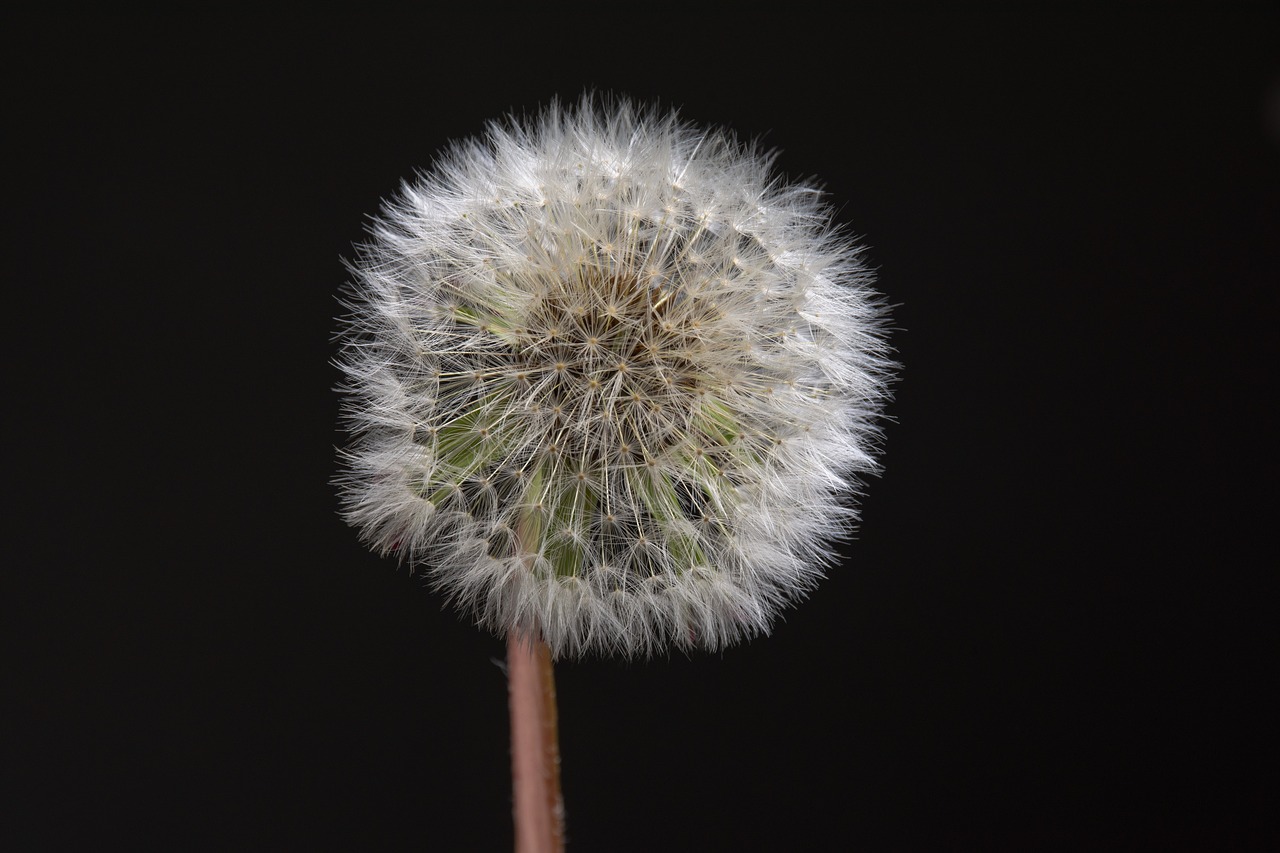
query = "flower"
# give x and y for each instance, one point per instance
(611, 381)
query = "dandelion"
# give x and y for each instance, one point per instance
(611, 382)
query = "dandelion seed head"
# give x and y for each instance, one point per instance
(610, 381)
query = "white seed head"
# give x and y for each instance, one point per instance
(610, 381)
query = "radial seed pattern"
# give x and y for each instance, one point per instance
(610, 382)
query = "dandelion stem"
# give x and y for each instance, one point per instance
(535, 747)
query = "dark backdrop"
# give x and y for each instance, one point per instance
(1053, 630)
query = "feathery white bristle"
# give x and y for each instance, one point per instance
(611, 382)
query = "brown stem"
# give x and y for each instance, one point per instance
(535, 747)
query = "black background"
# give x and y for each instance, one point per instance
(1054, 630)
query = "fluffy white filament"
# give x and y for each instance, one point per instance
(610, 381)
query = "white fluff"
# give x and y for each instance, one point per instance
(610, 381)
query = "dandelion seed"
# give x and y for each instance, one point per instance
(611, 382)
